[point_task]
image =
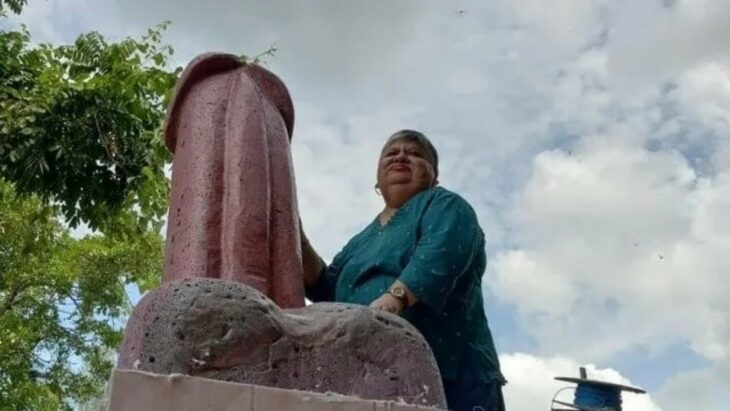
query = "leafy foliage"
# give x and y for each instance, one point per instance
(16, 6)
(79, 126)
(62, 301)
(79, 142)
(260, 59)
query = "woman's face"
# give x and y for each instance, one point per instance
(406, 164)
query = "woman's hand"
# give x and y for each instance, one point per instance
(388, 303)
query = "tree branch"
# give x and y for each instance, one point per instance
(12, 298)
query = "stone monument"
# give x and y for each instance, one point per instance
(231, 304)
(233, 211)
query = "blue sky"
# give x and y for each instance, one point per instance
(591, 137)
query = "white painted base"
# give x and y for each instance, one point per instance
(139, 391)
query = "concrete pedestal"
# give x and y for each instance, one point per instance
(140, 391)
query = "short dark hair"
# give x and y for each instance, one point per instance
(420, 139)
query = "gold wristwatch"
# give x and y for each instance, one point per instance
(400, 294)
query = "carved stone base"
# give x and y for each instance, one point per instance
(227, 331)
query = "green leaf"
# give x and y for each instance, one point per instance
(158, 58)
(70, 99)
(62, 303)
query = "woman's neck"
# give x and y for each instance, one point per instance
(395, 197)
(386, 214)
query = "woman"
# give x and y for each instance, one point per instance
(422, 258)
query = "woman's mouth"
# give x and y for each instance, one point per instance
(400, 167)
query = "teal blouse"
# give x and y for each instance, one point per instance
(434, 245)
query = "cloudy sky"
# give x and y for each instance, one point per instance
(592, 138)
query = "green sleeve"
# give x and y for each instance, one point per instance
(324, 288)
(448, 241)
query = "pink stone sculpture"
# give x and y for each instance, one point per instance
(233, 210)
(224, 330)
(231, 305)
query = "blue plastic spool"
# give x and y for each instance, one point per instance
(594, 395)
(598, 396)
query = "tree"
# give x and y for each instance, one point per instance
(79, 142)
(14, 5)
(62, 303)
(79, 126)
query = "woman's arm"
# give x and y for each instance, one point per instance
(320, 279)
(311, 261)
(450, 238)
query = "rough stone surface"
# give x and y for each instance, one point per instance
(227, 331)
(233, 210)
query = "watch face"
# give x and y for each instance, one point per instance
(398, 292)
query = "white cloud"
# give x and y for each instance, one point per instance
(532, 383)
(564, 26)
(704, 93)
(703, 389)
(615, 237)
(651, 44)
